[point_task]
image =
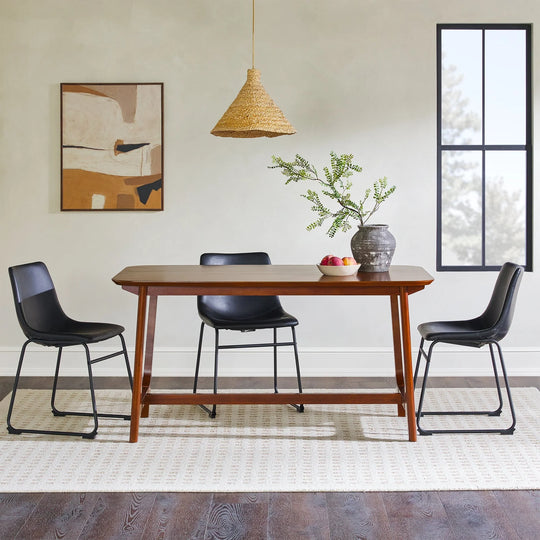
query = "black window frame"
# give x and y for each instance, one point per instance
(527, 147)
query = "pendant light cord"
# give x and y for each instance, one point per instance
(253, 34)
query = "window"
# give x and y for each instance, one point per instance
(484, 146)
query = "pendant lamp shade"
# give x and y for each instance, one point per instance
(253, 113)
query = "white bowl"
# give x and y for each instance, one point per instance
(345, 270)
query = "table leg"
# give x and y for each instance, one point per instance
(398, 356)
(138, 366)
(149, 352)
(407, 363)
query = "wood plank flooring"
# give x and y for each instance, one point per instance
(277, 516)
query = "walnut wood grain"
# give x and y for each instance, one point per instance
(267, 280)
(283, 398)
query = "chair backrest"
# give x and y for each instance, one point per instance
(36, 303)
(499, 313)
(236, 308)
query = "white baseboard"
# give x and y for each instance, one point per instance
(314, 362)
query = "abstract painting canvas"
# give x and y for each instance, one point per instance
(112, 146)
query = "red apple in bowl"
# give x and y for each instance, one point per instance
(325, 260)
(335, 261)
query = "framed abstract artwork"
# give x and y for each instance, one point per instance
(112, 146)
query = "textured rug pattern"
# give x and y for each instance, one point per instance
(269, 448)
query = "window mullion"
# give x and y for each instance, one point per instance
(483, 128)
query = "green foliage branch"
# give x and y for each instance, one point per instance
(336, 186)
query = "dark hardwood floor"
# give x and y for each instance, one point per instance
(278, 516)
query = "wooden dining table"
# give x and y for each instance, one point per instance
(151, 281)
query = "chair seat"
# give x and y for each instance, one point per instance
(470, 333)
(77, 332)
(274, 319)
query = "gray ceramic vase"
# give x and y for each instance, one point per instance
(373, 247)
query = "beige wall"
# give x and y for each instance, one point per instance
(355, 76)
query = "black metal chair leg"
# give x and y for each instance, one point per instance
(216, 350)
(419, 412)
(418, 359)
(498, 410)
(58, 412)
(212, 412)
(509, 430)
(275, 362)
(126, 358)
(197, 365)
(92, 434)
(17, 431)
(503, 431)
(299, 408)
(54, 410)
(10, 428)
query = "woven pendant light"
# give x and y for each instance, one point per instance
(253, 113)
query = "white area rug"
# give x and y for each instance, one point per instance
(268, 448)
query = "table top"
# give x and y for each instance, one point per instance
(267, 279)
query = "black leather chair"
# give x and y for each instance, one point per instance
(487, 329)
(44, 322)
(244, 314)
